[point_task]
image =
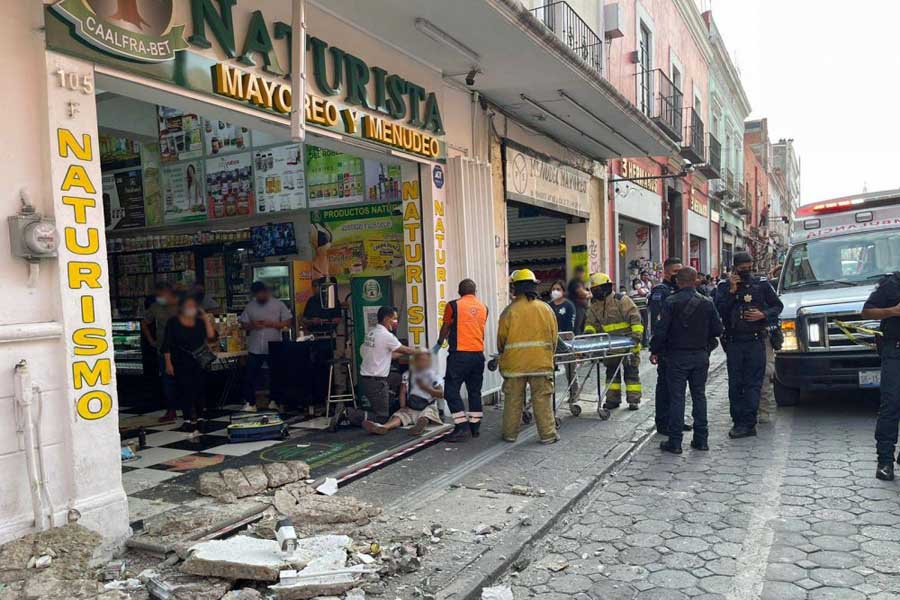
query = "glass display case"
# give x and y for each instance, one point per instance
(279, 279)
(127, 347)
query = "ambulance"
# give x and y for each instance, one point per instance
(839, 251)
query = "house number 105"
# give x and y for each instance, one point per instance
(76, 82)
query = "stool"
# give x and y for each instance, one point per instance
(333, 397)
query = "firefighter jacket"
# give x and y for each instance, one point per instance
(526, 338)
(616, 315)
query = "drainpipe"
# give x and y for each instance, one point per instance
(42, 469)
(24, 394)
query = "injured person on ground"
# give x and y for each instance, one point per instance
(419, 394)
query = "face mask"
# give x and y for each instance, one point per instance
(556, 294)
(160, 300)
(190, 312)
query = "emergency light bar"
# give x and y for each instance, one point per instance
(849, 203)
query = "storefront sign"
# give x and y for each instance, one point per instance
(145, 36)
(414, 257)
(544, 182)
(440, 256)
(80, 218)
(632, 170)
(136, 30)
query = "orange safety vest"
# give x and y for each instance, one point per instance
(467, 317)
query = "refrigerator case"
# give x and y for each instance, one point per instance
(127, 347)
(280, 280)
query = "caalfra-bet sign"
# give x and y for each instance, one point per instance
(230, 50)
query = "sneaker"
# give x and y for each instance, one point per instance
(699, 445)
(668, 446)
(419, 428)
(885, 471)
(248, 407)
(168, 417)
(373, 427)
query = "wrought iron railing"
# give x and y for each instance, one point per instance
(694, 135)
(562, 20)
(661, 100)
(714, 155)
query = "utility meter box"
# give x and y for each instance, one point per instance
(32, 236)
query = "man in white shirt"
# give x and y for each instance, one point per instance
(380, 347)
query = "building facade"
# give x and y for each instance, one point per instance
(757, 167)
(661, 63)
(729, 107)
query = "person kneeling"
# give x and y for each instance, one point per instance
(419, 393)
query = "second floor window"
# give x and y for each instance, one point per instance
(646, 93)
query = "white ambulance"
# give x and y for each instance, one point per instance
(839, 251)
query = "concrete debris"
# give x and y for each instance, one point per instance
(229, 484)
(244, 594)
(124, 584)
(329, 487)
(355, 594)
(65, 553)
(43, 562)
(499, 592)
(114, 570)
(559, 565)
(482, 529)
(365, 558)
(326, 574)
(525, 520)
(179, 586)
(243, 557)
(302, 507)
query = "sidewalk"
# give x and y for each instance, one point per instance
(493, 499)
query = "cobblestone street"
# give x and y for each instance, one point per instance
(793, 514)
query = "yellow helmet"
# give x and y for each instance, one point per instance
(522, 275)
(598, 279)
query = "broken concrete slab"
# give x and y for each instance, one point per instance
(71, 550)
(237, 482)
(324, 575)
(279, 474)
(180, 586)
(256, 477)
(314, 509)
(212, 484)
(243, 557)
(243, 594)
(229, 484)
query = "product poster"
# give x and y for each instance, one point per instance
(150, 164)
(358, 240)
(123, 199)
(118, 152)
(222, 137)
(180, 135)
(183, 193)
(383, 181)
(280, 182)
(229, 186)
(333, 178)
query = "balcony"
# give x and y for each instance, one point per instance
(693, 147)
(564, 22)
(712, 168)
(661, 101)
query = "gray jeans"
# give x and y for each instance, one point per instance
(377, 392)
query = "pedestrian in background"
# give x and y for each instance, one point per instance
(463, 328)
(263, 319)
(526, 339)
(577, 292)
(564, 310)
(685, 335)
(745, 304)
(767, 407)
(658, 295)
(187, 336)
(884, 304)
(153, 326)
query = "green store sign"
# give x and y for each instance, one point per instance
(139, 36)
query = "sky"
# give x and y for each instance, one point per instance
(827, 74)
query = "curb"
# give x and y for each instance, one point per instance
(503, 555)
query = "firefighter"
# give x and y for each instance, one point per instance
(526, 339)
(617, 315)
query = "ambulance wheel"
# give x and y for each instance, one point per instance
(527, 418)
(603, 413)
(575, 410)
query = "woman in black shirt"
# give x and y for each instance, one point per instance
(566, 316)
(187, 332)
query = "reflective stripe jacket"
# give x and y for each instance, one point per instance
(616, 315)
(526, 338)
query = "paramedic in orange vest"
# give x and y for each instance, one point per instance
(464, 321)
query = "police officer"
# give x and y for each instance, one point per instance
(686, 333)
(658, 295)
(884, 303)
(745, 304)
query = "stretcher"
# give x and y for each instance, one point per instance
(584, 354)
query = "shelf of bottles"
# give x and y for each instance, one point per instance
(127, 347)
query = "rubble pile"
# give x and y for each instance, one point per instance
(230, 484)
(302, 505)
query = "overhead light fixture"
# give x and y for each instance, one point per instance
(442, 37)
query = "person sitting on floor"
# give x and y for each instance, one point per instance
(419, 393)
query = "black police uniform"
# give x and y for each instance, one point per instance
(887, 295)
(684, 336)
(658, 295)
(745, 345)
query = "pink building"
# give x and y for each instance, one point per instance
(660, 61)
